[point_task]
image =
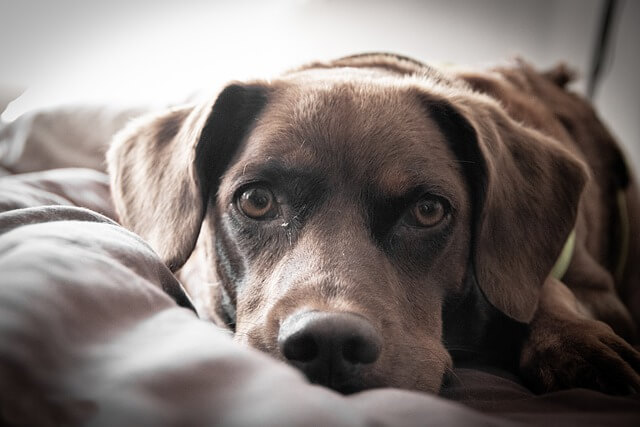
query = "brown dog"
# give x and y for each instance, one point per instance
(366, 218)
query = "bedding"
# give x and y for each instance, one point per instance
(95, 330)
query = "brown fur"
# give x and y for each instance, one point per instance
(341, 144)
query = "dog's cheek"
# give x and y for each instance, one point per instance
(434, 367)
(428, 360)
(413, 355)
(414, 361)
(445, 272)
(252, 327)
(238, 246)
(258, 300)
(260, 245)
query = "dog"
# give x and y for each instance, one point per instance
(371, 219)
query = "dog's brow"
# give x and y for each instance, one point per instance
(401, 200)
(416, 181)
(275, 170)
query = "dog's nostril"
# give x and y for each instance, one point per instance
(359, 350)
(301, 348)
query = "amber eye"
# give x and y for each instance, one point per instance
(257, 203)
(428, 212)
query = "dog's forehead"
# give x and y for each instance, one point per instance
(354, 131)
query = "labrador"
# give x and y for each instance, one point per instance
(371, 219)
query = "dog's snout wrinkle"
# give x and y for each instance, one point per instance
(331, 348)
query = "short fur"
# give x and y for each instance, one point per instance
(346, 147)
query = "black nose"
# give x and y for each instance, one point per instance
(330, 348)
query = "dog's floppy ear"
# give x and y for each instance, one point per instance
(165, 167)
(525, 189)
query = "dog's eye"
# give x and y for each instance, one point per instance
(257, 203)
(429, 211)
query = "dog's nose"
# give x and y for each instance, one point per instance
(330, 348)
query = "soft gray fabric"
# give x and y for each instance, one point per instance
(72, 187)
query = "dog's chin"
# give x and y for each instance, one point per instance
(357, 385)
(348, 384)
(350, 387)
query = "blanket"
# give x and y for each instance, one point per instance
(95, 330)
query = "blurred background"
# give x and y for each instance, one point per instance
(140, 52)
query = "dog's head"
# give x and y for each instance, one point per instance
(343, 204)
